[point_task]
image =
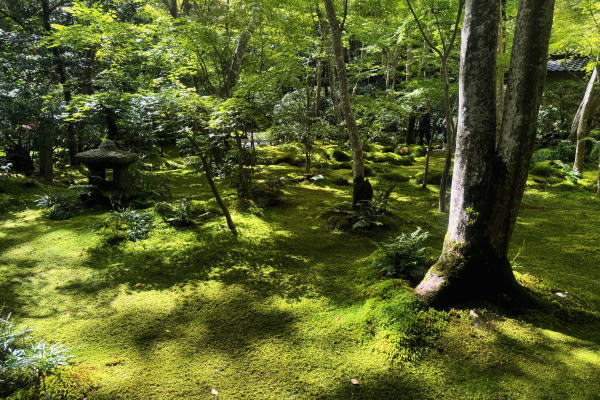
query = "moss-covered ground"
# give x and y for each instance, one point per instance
(295, 311)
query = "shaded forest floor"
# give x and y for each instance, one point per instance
(295, 310)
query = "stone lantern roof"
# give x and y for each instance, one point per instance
(107, 156)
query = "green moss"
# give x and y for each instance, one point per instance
(340, 156)
(293, 310)
(396, 177)
(546, 170)
(434, 177)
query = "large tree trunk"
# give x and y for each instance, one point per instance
(587, 109)
(358, 166)
(240, 51)
(488, 182)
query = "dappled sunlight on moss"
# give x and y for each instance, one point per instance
(294, 310)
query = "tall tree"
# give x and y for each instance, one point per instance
(489, 178)
(358, 163)
(587, 110)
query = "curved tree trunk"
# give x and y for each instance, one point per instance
(587, 109)
(238, 56)
(489, 181)
(358, 166)
(207, 166)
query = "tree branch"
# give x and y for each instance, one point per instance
(422, 30)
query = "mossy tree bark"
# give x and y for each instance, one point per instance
(358, 163)
(587, 109)
(489, 177)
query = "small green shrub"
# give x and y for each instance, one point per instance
(546, 170)
(403, 257)
(365, 215)
(340, 156)
(568, 173)
(563, 151)
(61, 205)
(554, 172)
(544, 154)
(6, 203)
(6, 173)
(179, 214)
(24, 363)
(129, 225)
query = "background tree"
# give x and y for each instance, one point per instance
(358, 167)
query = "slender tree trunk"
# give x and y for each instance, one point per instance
(206, 165)
(451, 138)
(358, 168)
(409, 61)
(575, 125)
(111, 124)
(427, 157)
(489, 182)
(173, 8)
(240, 51)
(589, 106)
(46, 150)
(410, 132)
(319, 78)
(501, 68)
(443, 55)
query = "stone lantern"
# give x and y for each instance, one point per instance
(108, 157)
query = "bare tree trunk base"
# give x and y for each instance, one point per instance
(457, 278)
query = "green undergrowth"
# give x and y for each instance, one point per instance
(293, 310)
